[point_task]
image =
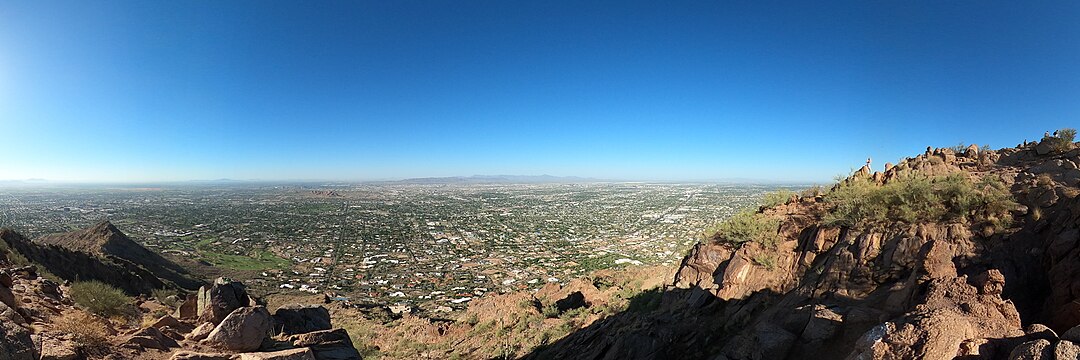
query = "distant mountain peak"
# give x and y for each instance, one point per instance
(500, 179)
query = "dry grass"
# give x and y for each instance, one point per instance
(87, 331)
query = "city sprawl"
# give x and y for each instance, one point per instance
(431, 246)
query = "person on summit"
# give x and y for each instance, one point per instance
(867, 161)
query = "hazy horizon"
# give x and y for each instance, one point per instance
(478, 179)
(137, 92)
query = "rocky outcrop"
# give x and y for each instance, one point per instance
(218, 300)
(242, 330)
(327, 344)
(939, 290)
(299, 318)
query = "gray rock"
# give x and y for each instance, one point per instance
(1043, 148)
(243, 330)
(327, 344)
(220, 299)
(299, 319)
(1072, 334)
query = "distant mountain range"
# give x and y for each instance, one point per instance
(500, 179)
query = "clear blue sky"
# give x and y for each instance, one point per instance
(178, 90)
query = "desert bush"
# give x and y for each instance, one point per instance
(914, 198)
(746, 226)
(962, 148)
(101, 299)
(551, 311)
(775, 198)
(88, 332)
(766, 260)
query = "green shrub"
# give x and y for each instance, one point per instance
(101, 299)
(551, 311)
(914, 198)
(766, 260)
(775, 198)
(746, 226)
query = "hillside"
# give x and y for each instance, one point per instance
(74, 307)
(967, 254)
(104, 253)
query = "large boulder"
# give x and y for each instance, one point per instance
(243, 330)
(299, 319)
(220, 299)
(327, 344)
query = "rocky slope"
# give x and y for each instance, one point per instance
(42, 319)
(900, 290)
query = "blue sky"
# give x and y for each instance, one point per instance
(691, 90)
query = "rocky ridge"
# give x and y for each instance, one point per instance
(927, 290)
(103, 253)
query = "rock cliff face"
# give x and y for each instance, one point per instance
(931, 290)
(102, 252)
